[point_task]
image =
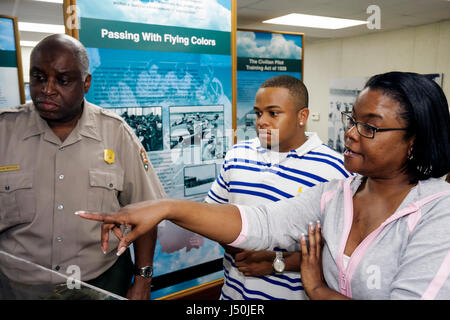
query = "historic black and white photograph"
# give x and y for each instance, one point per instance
(214, 148)
(343, 93)
(146, 123)
(198, 179)
(189, 125)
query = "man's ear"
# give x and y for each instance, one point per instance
(87, 83)
(302, 116)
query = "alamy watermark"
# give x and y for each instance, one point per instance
(73, 17)
(374, 20)
(74, 280)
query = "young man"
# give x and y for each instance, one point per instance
(282, 162)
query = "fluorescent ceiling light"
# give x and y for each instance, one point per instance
(306, 20)
(41, 27)
(52, 1)
(25, 43)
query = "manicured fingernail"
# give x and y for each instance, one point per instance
(104, 251)
(311, 226)
(78, 212)
(121, 250)
(302, 236)
(318, 223)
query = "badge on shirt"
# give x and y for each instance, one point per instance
(299, 190)
(144, 159)
(109, 156)
(11, 167)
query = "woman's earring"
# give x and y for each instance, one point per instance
(301, 124)
(410, 154)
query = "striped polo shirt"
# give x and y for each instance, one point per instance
(252, 175)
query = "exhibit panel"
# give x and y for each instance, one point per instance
(11, 78)
(260, 56)
(166, 68)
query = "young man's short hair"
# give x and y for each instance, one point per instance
(295, 86)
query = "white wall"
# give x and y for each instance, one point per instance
(422, 49)
(26, 51)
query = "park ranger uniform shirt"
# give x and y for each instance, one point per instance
(101, 166)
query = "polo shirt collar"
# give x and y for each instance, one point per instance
(313, 141)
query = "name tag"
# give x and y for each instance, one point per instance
(11, 167)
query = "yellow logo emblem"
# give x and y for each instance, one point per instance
(109, 156)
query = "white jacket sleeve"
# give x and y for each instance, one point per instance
(279, 224)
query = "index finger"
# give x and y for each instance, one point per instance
(115, 218)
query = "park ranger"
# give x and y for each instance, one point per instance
(59, 154)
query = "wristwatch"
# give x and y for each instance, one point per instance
(146, 272)
(278, 262)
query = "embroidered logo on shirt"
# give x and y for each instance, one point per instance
(299, 190)
(144, 159)
(11, 167)
(109, 156)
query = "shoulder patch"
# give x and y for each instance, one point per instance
(144, 158)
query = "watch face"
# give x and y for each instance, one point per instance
(146, 272)
(279, 265)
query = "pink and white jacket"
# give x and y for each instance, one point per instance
(406, 257)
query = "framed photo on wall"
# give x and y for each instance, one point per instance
(260, 56)
(12, 91)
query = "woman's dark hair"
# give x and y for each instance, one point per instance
(425, 110)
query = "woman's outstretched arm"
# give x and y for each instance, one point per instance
(218, 222)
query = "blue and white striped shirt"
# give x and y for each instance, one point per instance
(253, 175)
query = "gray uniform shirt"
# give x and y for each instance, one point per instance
(101, 166)
(406, 257)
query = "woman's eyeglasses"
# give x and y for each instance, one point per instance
(364, 129)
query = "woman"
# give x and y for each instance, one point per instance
(385, 231)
